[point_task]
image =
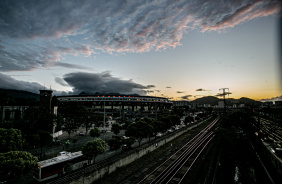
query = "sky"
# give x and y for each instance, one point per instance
(181, 50)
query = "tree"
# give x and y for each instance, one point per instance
(69, 126)
(188, 119)
(129, 141)
(151, 128)
(14, 164)
(33, 121)
(126, 124)
(74, 116)
(178, 112)
(116, 128)
(37, 120)
(158, 126)
(93, 148)
(139, 130)
(114, 142)
(44, 138)
(174, 119)
(67, 143)
(46, 121)
(166, 122)
(68, 168)
(95, 132)
(98, 119)
(10, 140)
(74, 141)
(88, 121)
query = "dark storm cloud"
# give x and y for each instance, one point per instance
(186, 97)
(7, 82)
(202, 89)
(102, 83)
(151, 86)
(111, 26)
(150, 91)
(61, 81)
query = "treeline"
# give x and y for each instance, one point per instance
(14, 162)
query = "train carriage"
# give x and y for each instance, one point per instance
(54, 167)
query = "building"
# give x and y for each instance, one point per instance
(118, 105)
(220, 104)
(45, 100)
(181, 103)
(9, 113)
(278, 103)
(207, 105)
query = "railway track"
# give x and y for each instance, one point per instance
(85, 172)
(272, 130)
(178, 166)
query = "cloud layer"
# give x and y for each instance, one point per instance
(103, 83)
(36, 34)
(7, 82)
(81, 82)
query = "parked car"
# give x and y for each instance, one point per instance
(170, 131)
(125, 147)
(81, 133)
(124, 137)
(159, 134)
(62, 153)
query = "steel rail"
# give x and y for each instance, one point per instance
(195, 159)
(174, 168)
(194, 138)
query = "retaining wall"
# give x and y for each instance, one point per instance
(128, 158)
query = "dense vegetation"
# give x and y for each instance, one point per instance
(13, 161)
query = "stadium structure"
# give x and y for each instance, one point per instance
(120, 105)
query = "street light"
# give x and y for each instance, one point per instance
(104, 126)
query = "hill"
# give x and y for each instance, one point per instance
(19, 94)
(248, 101)
(214, 101)
(12, 97)
(207, 100)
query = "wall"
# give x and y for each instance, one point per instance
(126, 159)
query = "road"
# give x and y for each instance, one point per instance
(52, 150)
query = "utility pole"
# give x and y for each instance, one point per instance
(223, 94)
